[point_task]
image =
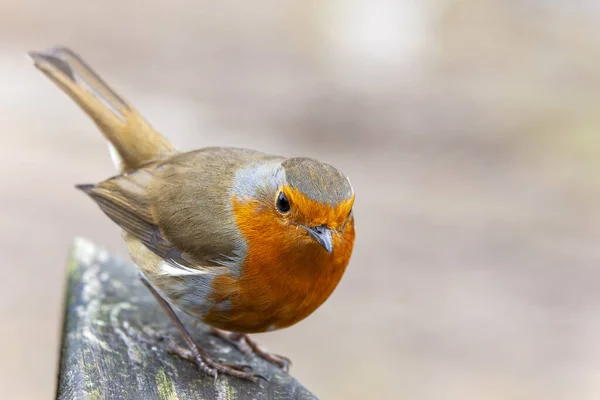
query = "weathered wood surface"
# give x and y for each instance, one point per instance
(111, 349)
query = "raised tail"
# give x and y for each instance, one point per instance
(134, 140)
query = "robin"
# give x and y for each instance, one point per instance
(243, 241)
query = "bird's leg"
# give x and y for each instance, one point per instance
(250, 347)
(194, 353)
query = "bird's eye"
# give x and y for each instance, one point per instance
(283, 205)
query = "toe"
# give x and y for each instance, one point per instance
(238, 367)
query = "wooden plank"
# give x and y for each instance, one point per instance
(111, 347)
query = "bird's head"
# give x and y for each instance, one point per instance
(297, 202)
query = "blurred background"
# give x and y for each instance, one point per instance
(470, 131)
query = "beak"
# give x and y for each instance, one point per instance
(322, 235)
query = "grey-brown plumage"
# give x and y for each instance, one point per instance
(176, 206)
(317, 180)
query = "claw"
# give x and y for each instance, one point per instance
(261, 377)
(284, 363)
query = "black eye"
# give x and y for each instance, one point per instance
(283, 205)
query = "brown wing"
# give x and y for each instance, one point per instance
(123, 199)
(180, 207)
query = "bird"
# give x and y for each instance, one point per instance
(243, 241)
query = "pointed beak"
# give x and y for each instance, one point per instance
(322, 235)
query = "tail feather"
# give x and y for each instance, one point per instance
(135, 141)
(85, 187)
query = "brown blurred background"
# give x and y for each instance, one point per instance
(471, 133)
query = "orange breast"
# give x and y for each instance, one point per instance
(285, 276)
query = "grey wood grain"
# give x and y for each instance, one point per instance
(111, 346)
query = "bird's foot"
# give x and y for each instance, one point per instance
(195, 353)
(250, 347)
(208, 364)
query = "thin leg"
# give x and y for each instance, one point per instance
(250, 347)
(205, 362)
